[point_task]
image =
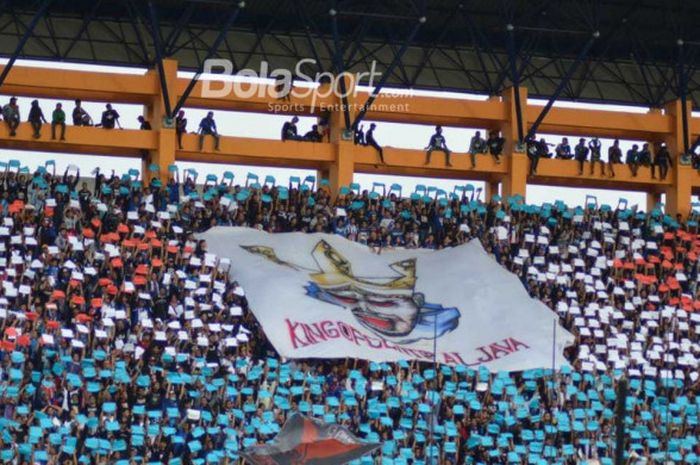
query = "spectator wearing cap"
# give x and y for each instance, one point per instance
(10, 113)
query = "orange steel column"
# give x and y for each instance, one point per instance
(490, 189)
(653, 199)
(515, 182)
(679, 193)
(164, 155)
(341, 171)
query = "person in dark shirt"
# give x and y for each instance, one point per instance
(563, 150)
(495, 144)
(359, 137)
(581, 154)
(289, 130)
(58, 118)
(36, 118)
(10, 113)
(662, 161)
(110, 118)
(543, 148)
(644, 157)
(313, 135)
(80, 116)
(180, 127)
(533, 153)
(476, 145)
(632, 159)
(614, 157)
(371, 141)
(594, 145)
(437, 142)
(143, 124)
(207, 127)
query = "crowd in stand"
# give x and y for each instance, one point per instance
(123, 341)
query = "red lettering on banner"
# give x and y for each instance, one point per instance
(515, 344)
(329, 330)
(488, 358)
(292, 328)
(306, 334)
(497, 349)
(314, 333)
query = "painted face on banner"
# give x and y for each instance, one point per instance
(388, 315)
(386, 305)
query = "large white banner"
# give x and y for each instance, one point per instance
(322, 296)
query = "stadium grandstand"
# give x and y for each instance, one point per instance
(276, 311)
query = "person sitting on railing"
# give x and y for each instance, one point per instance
(495, 144)
(369, 140)
(543, 148)
(632, 159)
(662, 159)
(533, 153)
(144, 125)
(58, 118)
(563, 150)
(595, 146)
(110, 118)
(36, 118)
(614, 157)
(10, 113)
(644, 157)
(581, 154)
(289, 130)
(313, 135)
(207, 127)
(476, 145)
(80, 116)
(437, 142)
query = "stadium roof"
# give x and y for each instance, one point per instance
(462, 46)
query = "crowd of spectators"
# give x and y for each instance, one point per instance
(123, 341)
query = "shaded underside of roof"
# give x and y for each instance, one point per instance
(463, 45)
